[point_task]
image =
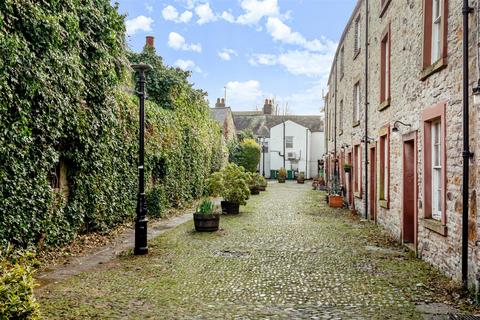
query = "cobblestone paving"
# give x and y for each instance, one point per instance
(286, 256)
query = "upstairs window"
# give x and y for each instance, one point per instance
(341, 117)
(342, 63)
(356, 103)
(435, 34)
(289, 142)
(358, 36)
(385, 68)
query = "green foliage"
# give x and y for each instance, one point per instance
(255, 180)
(63, 77)
(263, 181)
(231, 183)
(16, 286)
(247, 155)
(245, 134)
(206, 207)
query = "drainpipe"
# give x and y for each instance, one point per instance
(284, 144)
(335, 169)
(467, 155)
(366, 109)
(306, 153)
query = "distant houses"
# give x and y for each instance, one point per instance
(295, 142)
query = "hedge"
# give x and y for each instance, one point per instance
(66, 97)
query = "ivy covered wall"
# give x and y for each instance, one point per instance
(64, 99)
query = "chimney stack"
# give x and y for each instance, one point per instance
(220, 103)
(268, 107)
(149, 41)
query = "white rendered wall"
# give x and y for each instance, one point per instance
(317, 151)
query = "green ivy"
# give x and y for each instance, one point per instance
(66, 96)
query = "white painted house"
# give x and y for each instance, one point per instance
(293, 142)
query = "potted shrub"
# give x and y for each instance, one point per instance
(282, 175)
(254, 183)
(231, 184)
(301, 178)
(263, 183)
(347, 167)
(205, 217)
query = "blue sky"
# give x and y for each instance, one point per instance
(257, 49)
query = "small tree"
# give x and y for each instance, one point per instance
(248, 155)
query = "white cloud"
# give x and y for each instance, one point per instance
(255, 10)
(177, 41)
(204, 13)
(187, 65)
(244, 95)
(149, 8)
(227, 16)
(226, 54)
(263, 59)
(283, 33)
(170, 13)
(308, 101)
(140, 23)
(185, 17)
(296, 62)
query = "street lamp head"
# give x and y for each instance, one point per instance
(141, 67)
(397, 123)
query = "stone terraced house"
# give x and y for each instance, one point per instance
(413, 91)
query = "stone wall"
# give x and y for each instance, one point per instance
(410, 96)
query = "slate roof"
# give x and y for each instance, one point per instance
(261, 124)
(220, 114)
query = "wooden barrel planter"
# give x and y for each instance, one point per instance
(335, 201)
(281, 180)
(230, 207)
(206, 222)
(300, 181)
(262, 188)
(254, 191)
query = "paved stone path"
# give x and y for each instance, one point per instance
(286, 256)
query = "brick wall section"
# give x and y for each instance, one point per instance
(410, 96)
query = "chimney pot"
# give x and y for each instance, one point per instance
(150, 41)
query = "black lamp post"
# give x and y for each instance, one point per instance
(141, 246)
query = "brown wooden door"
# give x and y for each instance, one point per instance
(373, 183)
(409, 191)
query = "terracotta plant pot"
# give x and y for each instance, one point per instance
(230, 207)
(254, 191)
(335, 201)
(206, 222)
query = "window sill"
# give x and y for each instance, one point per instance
(357, 53)
(384, 8)
(356, 123)
(384, 204)
(435, 226)
(358, 195)
(384, 105)
(433, 68)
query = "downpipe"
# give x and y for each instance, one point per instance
(467, 155)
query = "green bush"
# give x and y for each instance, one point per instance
(248, 155)
(16, 287)
(231, 183)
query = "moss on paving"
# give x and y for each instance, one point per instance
(287, 255)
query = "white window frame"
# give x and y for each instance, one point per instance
(436, 152)
(289, 142)
(436, 30)
(387, 67)
(341, 115)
